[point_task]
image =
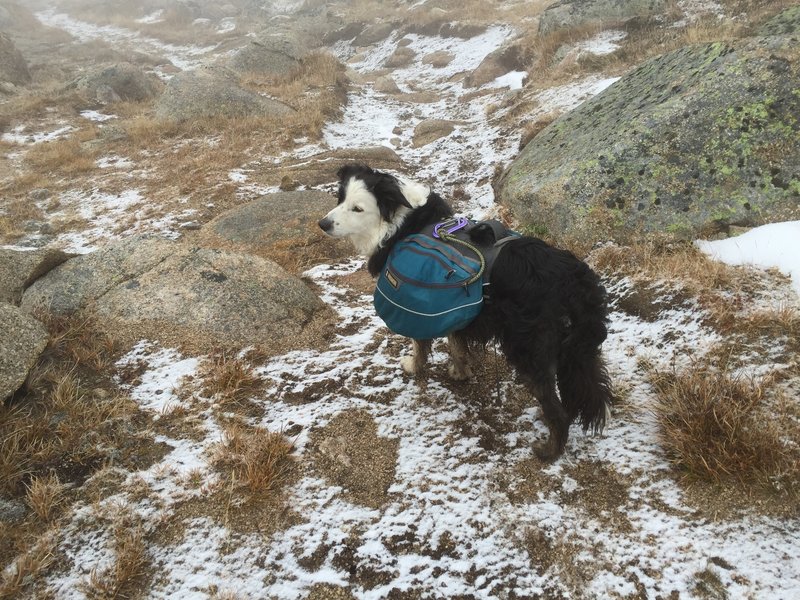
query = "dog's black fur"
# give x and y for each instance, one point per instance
(546, 309)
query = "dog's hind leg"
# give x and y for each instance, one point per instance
(543, 386)
(415, 364)
(459, 368)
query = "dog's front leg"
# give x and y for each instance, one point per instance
(459, 368)
(415, 364)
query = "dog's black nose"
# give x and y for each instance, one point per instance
(325, 224)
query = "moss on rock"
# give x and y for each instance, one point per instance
(691, 142)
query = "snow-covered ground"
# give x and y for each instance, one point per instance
(776, 245)
(481, 520)
(182, 56)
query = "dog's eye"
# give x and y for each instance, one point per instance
(358, 209)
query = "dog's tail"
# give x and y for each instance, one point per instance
(583, 381)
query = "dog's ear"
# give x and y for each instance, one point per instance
(386, 190)
(347, 172)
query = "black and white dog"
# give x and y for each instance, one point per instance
(547, 308)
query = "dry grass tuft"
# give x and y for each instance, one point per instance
(718, 426)
(254, 457)
(44, 495)
(230, 380)
(776, 323)
(17, 576)
(534, 128)
(64, 157)
(664, 261)
(129, 564)
(78, 340)
(543, 50)
(64, 425)
(316, 89)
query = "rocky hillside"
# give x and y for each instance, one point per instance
(198, 400)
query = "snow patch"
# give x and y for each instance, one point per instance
(18, 135)
(770, 246)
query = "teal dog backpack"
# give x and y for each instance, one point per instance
(432, 283)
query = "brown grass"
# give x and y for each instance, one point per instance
(667, 261)
(18, 211)
(79, 341)
(719, 427)
(64, 157)
(541, 50)
(254, 457)
(68, 417)
(230, 380)
(27, 566)
(44, 495)
(129, 564)
(783, 321)
(534, 128)
(316, 89)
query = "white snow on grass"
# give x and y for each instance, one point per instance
(18, 135)
(455, 520)
(157, 388)
(447, 527)
(109, 216)
(114, 162)
(512, 80)
(369, 116)
(469, 156)
(603, 43)
(157, 16)
(776, 245)
(226, 25)
(96, 116)
(697, 9)
(184, 57)
(566, 97)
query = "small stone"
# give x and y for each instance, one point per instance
(288, 184)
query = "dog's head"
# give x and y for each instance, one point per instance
(371, 206)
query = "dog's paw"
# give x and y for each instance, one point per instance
(545, 451)
(408, 364)
(459, 372)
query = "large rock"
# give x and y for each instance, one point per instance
(13, 67)
(497, 63)
(375, 33)
(82, 280)
(690, 142)
(346, 32)
(784, 23)
(271, 54)
(19, 269)
(402, 57)
(115, 83)
(154, 288)
(569, 14)
(431, 130)
(213, 92)
(211, 298)
(282, 227)
(23, 340)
